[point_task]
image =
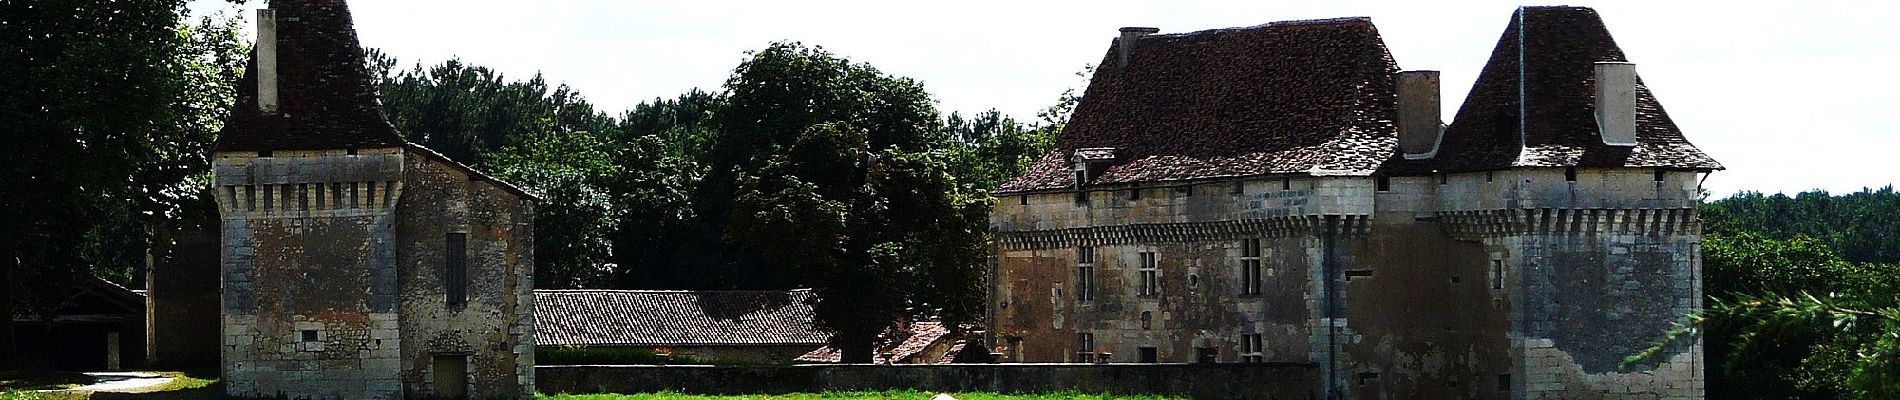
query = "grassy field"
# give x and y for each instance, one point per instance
(892, 395)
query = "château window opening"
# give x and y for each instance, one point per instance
(1150, 274)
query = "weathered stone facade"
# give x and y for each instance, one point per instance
(356, 265)
(1409, 278)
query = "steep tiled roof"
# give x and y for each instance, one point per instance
(1298, 97)
(674, 318)
(1550, 120)
(327, 97)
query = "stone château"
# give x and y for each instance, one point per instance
(1285, 193)
(357, 265)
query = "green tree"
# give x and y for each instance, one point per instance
(1772, 340)
(828, 173)
(110, 106)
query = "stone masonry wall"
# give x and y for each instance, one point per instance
(308, 270)
(1527, 283)
(493, 329)
(1286, 381)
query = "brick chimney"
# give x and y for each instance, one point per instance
(1420, 128)
(266, 49)
(1616, 102)
(1129, 34)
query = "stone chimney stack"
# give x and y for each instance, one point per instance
(1420, 128)
(1129, 34)
(1616, 102)
(266, 53)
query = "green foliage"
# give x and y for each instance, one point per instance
(109, 108)
(1859, 226)
(835, 173)
(1771, 339)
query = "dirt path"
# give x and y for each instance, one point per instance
(123, 381)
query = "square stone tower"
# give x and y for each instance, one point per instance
(357, 265)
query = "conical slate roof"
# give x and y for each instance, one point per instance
(327, 99)
(1533, 105)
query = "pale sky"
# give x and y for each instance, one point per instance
(1788, 95)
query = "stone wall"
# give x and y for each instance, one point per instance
(493, 328)
(181, 299)
(1199, 381)
(1504, 284)
(309, 257)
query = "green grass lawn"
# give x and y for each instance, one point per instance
(891, 395)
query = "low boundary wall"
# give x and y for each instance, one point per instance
(1200, 381)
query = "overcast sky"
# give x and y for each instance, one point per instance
(1789, 95)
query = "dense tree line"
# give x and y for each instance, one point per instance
(1803, 297)
(805, 170)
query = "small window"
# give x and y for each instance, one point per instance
(1082, 197)
(1659, 175)
(1252, 349)
(1084, 273)
(1368, 377)
(1250, 271)
(1084, 347)
(350, 151)
(1570, 174)
(1286, 183)
(308, 336)
(1444, 179)
(1147, 320)
(1150, 274)
(1134, 194)
(1384, 183)
(1504, 382)
(1240, 187)
(1023, 199)
(1358, 273)
(455, 269)
(264, 154)
(1081, 179)
(1497, 274)
(1149, 355)
(1489, 175)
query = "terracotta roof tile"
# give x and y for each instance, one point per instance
(916, 339)
(1550, 121)
(674, 318)
(1298, 97)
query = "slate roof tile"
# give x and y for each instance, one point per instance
(1550, 121)
(1295, 97)
(327, 99)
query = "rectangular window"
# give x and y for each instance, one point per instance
(1149, 355)
(1384, 183)
(1252, 349)
(1504, 382)
(1497, 274)
(1206, 355)
(1250, 272)
(1286, 183)
(1084, 273)
(1134, 194)
(455, 273)
(1239, 187)
(1570, 174)
(1150, 274)
(1084, 347)
(307, 335)
(1659, 175)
